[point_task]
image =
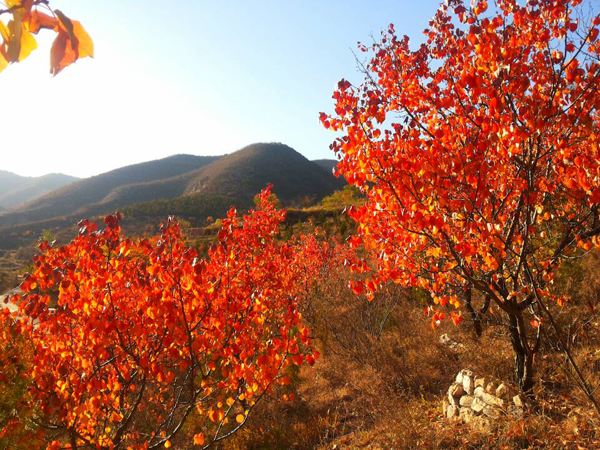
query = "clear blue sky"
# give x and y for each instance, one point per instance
(200, 77)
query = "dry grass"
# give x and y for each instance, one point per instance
(383, 372)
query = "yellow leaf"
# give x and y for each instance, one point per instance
(86, 45)
(239, 418)
(434, 251)
(28, 44)
(167, 444)
(3, 63)
(4, 32)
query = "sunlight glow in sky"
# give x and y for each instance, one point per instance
(200, 77)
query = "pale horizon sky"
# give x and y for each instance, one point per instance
(196, 77)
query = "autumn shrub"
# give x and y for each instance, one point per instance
(135, 340)
(17, 427)
(477, 152)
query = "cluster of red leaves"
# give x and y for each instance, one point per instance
(16, 37)
(478, 150)
(15, 407)
(132, 337)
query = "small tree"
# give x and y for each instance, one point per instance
(132, 338)
(478, 153)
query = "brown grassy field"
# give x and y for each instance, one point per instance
(383, 372)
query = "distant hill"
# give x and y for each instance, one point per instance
(9, 181)
(244, 173)
(327, 164)
(16, 190)
(86, 196)
(234, 180)
(193, 186)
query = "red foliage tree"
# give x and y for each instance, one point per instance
(132, 338)
(478, 153)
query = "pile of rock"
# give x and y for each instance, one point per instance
(451, 343)
(480, 400)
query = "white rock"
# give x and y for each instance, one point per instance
(501, 391)
(468, 384)
(479, 391)
(491, 400)
(477, 405)
(466, 401)
(480, 381)
(466, 414)
(451, 411)
(518, 401)
(459, 377)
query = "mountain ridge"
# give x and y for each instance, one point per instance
(178, 180)
(16, 190)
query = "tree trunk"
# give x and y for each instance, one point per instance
(524, 355)
(73, 439)
(475, 318)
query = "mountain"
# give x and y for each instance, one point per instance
(244, 173)
(30, 188)
(327, 164)
(16, 190)
(183, 183)
(9, 181)
(91, 196)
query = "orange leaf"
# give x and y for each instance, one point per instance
(456, 318)
(39, 20)
(199, 439)
(71, 43)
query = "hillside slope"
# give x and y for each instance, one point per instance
(327, 164)
(244, 173)
(233, 180)
(31, 188)
(16, 190)
(194, 186)
(86, 196)
(9, 180)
